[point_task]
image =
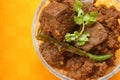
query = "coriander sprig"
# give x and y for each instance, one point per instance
(82, 19)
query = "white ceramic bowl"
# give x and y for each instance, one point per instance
(59, 75)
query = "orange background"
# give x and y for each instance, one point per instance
(18, 58)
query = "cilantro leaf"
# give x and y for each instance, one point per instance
(82, 19)
(89, 19)
(83, 39)
(80, 13)
(94, 13)
(71, 37)
(86, 19)
(77, 5)
(75, 37)
(78, 20)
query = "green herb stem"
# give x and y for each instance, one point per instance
(82, 30)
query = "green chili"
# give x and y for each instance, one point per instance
(99, 57)
(65, 46)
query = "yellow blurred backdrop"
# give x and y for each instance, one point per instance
(18, 58)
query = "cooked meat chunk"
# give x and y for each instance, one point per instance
(108, 17)
(100, 68)
(55, 9)
(56, 20)
(91, 8)
(52, 55)
(57, 0)
(69, 2)
(97, 35)
(82, 68)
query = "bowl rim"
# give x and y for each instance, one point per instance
(53, 71)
